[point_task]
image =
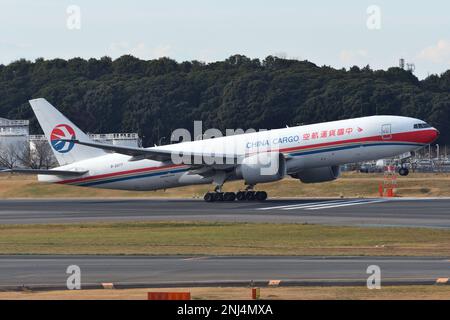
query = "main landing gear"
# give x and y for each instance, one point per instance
(231, 196)
(247, 195)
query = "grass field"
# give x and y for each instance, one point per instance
(202, 238)
(349, 185)
(322, 293)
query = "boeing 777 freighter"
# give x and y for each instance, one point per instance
(310, 153)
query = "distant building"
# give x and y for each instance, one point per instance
(13, 141)
(13, 132)
(411, 67)
(117, 139)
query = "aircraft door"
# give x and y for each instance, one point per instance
(386, 131)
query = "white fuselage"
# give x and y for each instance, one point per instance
(305, 147)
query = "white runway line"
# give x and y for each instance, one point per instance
(325, 204)
(317, 204)
(350, 203)
(304, 204)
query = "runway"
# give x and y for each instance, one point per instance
(50, 271)
(405, 212)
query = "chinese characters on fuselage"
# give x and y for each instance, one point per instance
(307, 136)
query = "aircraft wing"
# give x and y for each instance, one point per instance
(136, 153)
(153, 154)
(43, 171)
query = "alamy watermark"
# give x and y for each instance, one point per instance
(73, 21)
(373, 21)
(260, 149)
(74, 280)
(374, 280)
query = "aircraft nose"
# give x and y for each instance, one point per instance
(434, 134)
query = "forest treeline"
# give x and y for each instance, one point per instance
(155, 97)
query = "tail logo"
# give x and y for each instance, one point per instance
(60, 133)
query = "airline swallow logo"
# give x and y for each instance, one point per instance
(60, 133)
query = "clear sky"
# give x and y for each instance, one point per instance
(336, 33)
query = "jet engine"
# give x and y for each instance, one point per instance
(262, 168)
(316, 175)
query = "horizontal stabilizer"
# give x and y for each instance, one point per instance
(43, 171)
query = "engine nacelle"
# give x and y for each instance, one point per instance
(262, 168)
(316, 175)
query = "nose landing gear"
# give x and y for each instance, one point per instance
(403, 171)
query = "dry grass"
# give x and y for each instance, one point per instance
(280, 293)
(217, 238)
(349, 185)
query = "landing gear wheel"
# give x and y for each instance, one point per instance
(218, 196)
(240, 196)
(261, 195)
(229, 196)
(209, 197)
(250, 195)
(403, 171)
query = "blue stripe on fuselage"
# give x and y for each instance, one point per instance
(301, 153)
(153, 174)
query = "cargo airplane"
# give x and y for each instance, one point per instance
(310, 153)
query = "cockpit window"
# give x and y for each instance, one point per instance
(421, 126)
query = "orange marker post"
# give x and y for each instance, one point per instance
(255, 293)
(380, 189)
